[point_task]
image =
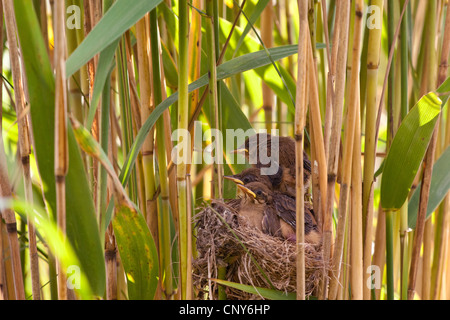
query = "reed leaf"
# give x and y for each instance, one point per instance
(407, 151)
(270, 294)
(137, 251)
(440, 185)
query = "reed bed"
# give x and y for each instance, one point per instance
(115, 121)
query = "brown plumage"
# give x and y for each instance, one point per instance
(286, 158)
(274, 213)
(282, 181)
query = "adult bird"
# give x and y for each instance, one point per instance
(257, 149)
(275, 213)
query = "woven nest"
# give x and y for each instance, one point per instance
(218, 246)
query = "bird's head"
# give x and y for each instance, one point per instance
(256, 192)
(252, 143)
(248, 176)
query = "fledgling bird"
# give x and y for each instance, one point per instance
(282, 181)
(252, 205)
(277, 213)
(286, 157)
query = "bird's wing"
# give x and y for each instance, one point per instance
(285, 209)
(310, 222)
(271, 222)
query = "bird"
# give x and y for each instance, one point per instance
(253, 205)
(275, 213)
(253, 174)
(286, 158)
(281, 181)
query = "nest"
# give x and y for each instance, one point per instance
(221, 237)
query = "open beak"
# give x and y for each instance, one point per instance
(234, 179)
(246, 191)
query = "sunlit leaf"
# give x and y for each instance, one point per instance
(407, 151)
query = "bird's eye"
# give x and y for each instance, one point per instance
(259, 192)
(246, 180)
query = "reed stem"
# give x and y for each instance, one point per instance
(300, 122)
(183, 122)
(164, 224)
(373, 61)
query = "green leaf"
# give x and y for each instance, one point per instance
(138, 253)
(251, 21)
(119, 18)
(440, 185)
(444, 91)
(270, 294)
(55, 240)
(407, 151)
(170, 68)
(81, 223)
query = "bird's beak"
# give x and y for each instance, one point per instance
(234, 179)
(246, 191)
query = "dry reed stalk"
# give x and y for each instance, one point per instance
(343, 20)
(348, 148)
(111, 264)
(24, 149)
(442, 246)
(183, 122)
(94, 15)
(356, 245)
(428, 83)
(443, 292)
(267, 18)
(11, 229)
(300, 122)
(316, 126)
(428, 237)
(331, 77)
(329, 122)
(61, 147)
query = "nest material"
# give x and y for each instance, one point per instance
(218, 246)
